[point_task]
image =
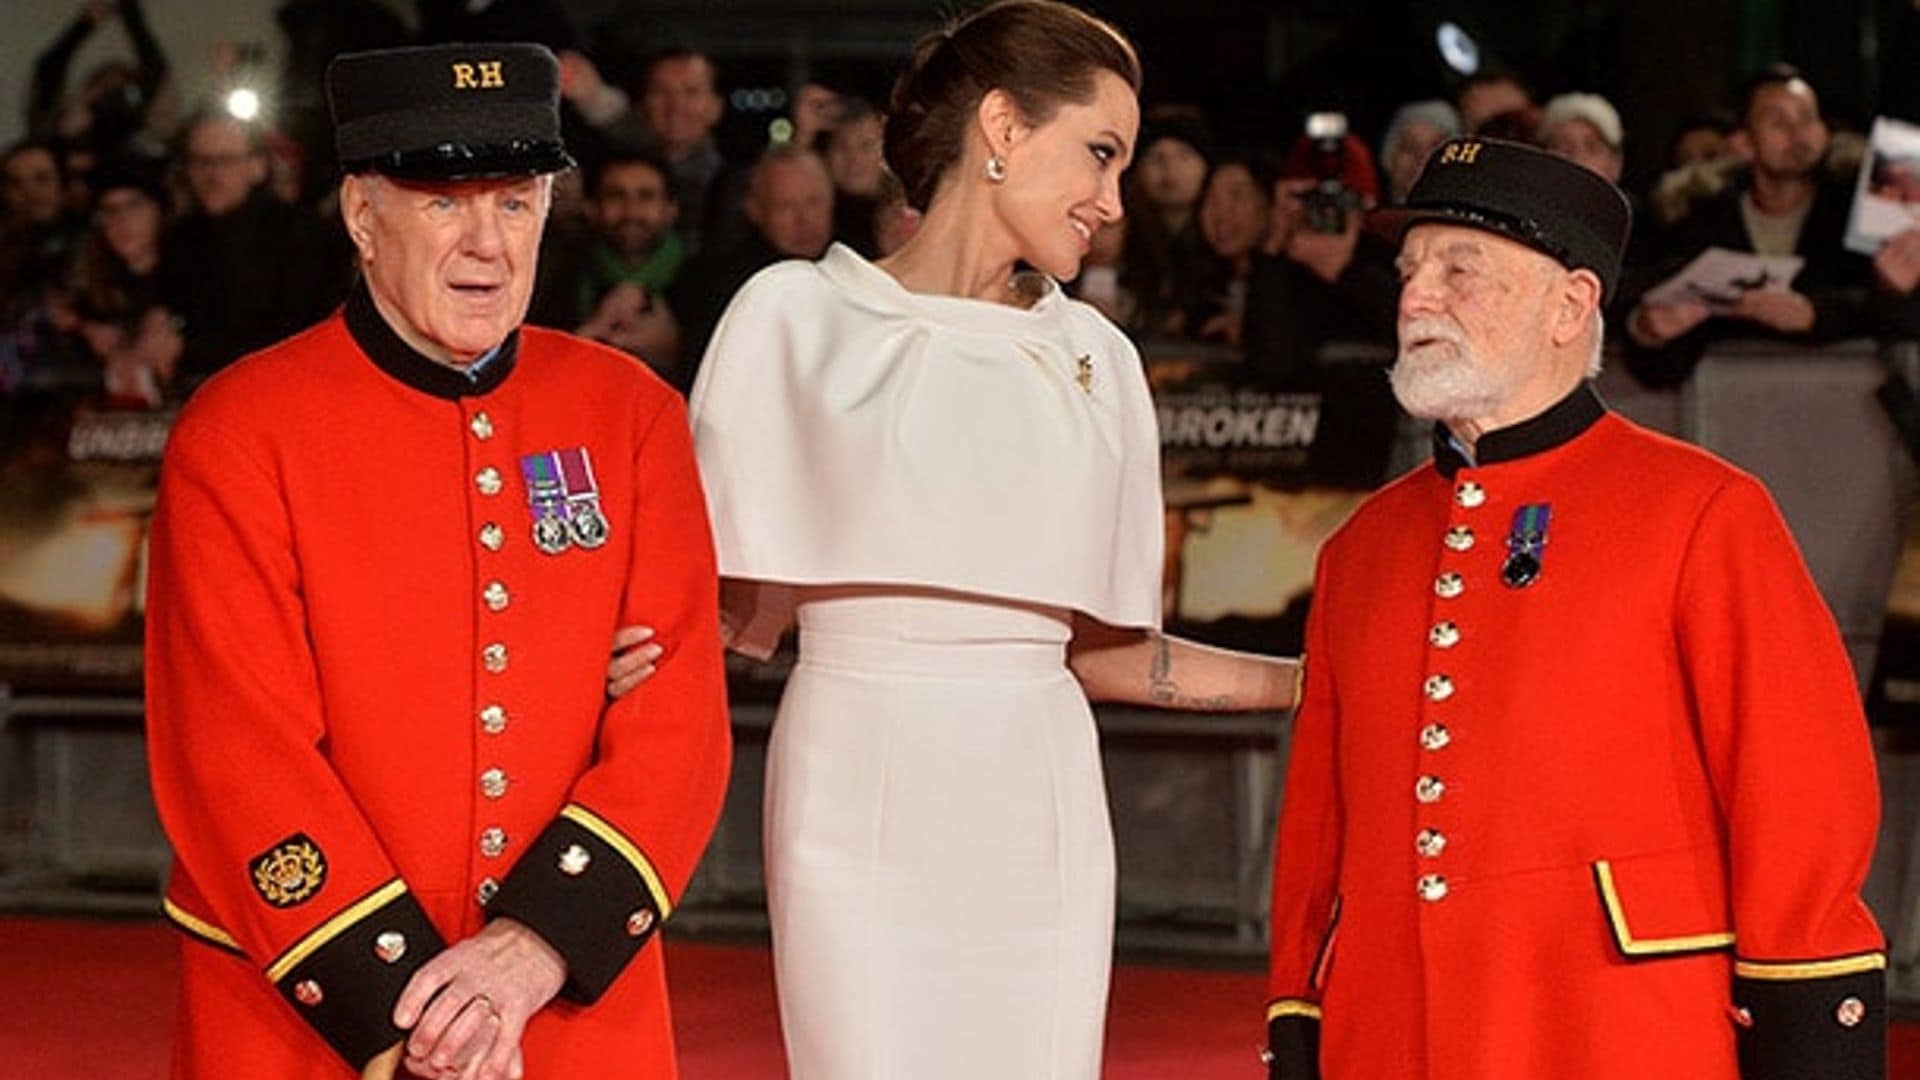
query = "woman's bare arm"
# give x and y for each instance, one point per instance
(1138, 667)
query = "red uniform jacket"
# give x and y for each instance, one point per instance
(376, 710)
(1611, 822)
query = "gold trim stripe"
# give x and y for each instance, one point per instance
(1610, 898)
(1810, 969)
(334, 927)
(1292, 1007)
(613, 838)
(197, 926)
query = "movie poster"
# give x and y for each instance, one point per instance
(77, 488)
(1256, 477)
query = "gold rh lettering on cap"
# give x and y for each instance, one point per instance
(1460, 153)
(486, 75)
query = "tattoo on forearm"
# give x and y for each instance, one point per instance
(1162, 690)
(1160, 686)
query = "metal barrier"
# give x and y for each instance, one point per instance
(1193, 796)
(1806, 422)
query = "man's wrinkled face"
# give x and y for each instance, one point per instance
(450, 263)
(1473, 322)
(633, 208)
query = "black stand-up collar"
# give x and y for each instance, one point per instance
(402, 361)
(1559, 425)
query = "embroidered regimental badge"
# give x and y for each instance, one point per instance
(290, 872)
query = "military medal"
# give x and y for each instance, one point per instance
(564, 499)
(546, 500)
(585, 522)
(1526, 544)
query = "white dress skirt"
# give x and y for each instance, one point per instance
(940, 862)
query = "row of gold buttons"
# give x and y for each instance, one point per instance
(494, 658)
(1430, 788)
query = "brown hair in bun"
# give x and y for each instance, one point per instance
(1041, 53)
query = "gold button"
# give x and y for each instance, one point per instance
(1430, 843)
(574, 860)
(493, 783)
(494, 658)
(482, 426)
(492, 536)
(1459, 538)
(308, 993)
(1449, 585)
(495, 594)
(493, 719)
(639, 922)
(390, 946)
(486, 892)
(1444, 635)
(1439, 688)
(1851, 1012)
(1433, 888)
(1435, 737)
(1470, 494)
(1430, 789)
(487, 481)
(493, 842)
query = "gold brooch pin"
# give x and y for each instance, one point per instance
(1083, 373)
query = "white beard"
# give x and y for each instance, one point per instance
(1444, 379)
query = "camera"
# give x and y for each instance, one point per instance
(1324, 207)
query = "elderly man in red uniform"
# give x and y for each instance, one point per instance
(1580, 785)
(387, 561)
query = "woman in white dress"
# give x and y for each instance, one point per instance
(948, 471)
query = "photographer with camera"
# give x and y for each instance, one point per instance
(1322, 279)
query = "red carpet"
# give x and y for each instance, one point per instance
(95, 1000)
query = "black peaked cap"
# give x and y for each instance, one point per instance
(1542, 200)
(448, 112)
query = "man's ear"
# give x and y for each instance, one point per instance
(356, 213)
(1576, 304)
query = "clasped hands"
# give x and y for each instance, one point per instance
(466, 1009)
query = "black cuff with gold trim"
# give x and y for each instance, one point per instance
(1830, 1026)
(1293, 1046)
(345, 977)
(589, 892)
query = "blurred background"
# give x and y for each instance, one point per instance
(167, 205)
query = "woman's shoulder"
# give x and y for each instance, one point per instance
(789, 280)
(1091, 329)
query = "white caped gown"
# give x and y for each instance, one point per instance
(932, 486)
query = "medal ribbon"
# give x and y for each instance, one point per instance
(546, 487)
(576, 476)
(1529, 534)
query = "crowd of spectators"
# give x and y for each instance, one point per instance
(146, 254)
